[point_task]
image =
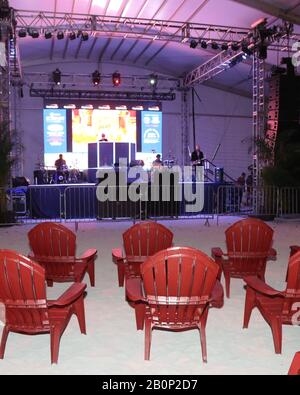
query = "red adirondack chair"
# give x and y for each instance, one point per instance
(53, 246)
(295, 366)
(294, 250)
(249, 243)
(177, 287)
(277, 308)
(140, 241)
(27, 310)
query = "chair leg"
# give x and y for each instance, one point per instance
(55, 334)
(91, 272)
(277, 335)
(79, 311)
(202, 332)
(249, 306)
(227, 283)
(139, 315)
(5, 334)
(148, 338)
(121, 274)
(50, 283)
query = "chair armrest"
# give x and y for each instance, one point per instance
(117, 255)
(89, 254)
(272, 253)
(217, 296)
(295, 366)
(294, 249)
(261, 287)
(134, 290)
(68, 297)
(217, 252)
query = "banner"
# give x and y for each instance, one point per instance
(151, 132)
(55, 131)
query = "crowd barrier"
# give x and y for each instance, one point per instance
(79, 203)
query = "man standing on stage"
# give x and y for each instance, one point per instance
(197, 157)
(60, 163)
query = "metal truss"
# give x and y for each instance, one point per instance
(212, 67)
(82, 81)
(125, 27)
(93, 94)
(258, 124)
(185, 127)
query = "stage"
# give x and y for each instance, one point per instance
(79, 201)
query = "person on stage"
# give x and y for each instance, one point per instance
(197, 157)
(62, 173)
(103, 137)
(157, 162)
(60, 163)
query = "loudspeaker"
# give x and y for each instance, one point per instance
(20, 182)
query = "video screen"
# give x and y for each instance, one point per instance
(69, 131)
(87, 126)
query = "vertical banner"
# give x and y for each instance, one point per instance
(151, 132)
(55, 131)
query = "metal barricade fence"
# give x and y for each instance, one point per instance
(289, 201)
(235, 200)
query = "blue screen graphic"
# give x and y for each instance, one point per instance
(55, 131)
(151, 132)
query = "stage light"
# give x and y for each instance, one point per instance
(116, 79)
(204, 44)
(56, 76)
(96, 77)
(84, 36)
(193, 44)
(224, 47)
(60, 35)
(235, 46)
(48, 35)
(72, 35)
(153, 80)
(214, 45)
(262, 52)
(246, 49)
(34, 34)
(22, 33)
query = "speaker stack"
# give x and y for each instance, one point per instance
(273, 112)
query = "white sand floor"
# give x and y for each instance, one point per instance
(112, 344)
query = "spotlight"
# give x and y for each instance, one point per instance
(116, 79)
(153, 80)
(96, 77)
(34, 34)
(224, 47)
(203, 44)
(22, 33)
(245, 49)
(235, 46)
(56, 76)
(262, 52)
(48, 35)
(72, 35)
(84, 36)
(60, 35)
(193, 44)
(214, 45)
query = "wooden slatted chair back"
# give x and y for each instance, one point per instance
(143, 240)
(54, 247)
(248, 245)
(177, 285)
(292, 300)
(23, 293)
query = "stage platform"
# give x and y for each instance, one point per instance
(79, 201)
